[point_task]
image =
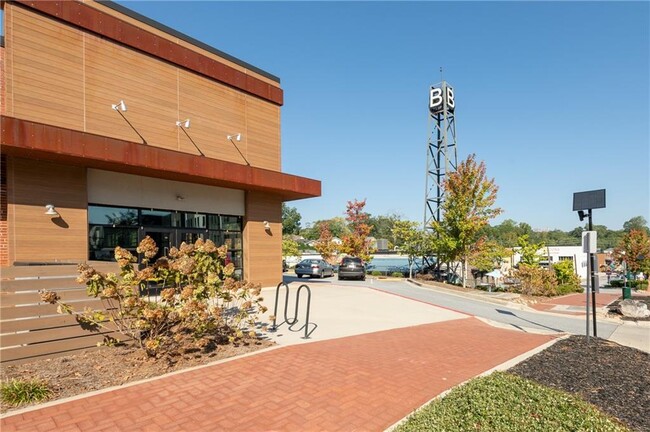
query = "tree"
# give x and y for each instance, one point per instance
(325, 245)
(356, 243)
(634, 249)
(289, 247)
(528, 251)
(382, 226)
(488, 255)
(468, 206)
(290, 220)
(636, 223)
(413, 242)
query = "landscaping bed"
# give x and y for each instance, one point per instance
(549, 392)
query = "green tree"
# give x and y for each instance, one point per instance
(566, 275)
(636, 223)
(382, 226)
(289, 247)
(356, 243)
(488, 255)
(468, 206)
(529, 251)
(634, 249)
(290, 220)
(413, 242)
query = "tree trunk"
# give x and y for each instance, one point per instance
(465, 272)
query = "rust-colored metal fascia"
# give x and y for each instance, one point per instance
(32, 140)
(111, 27)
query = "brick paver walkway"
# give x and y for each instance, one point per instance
(362, 383)
(574, 301)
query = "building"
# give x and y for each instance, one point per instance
(553, 254)
(115, 127)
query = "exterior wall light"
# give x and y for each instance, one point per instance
(267, 225)
(50, 210)
(119, 106)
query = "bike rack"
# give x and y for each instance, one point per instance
(291, 322)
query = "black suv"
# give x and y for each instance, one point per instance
(352, 267)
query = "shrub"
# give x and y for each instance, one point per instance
(535, 281)
(565, 275)
(616, 283)
(20, 392)
(375, 273)
(397, 274)
(200, 303)
(567, 289)
(424, 277)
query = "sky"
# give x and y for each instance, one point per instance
(552, 96)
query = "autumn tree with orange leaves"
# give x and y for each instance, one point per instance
(357, 243)
(468, 206)
(325, 245)
(634, 249)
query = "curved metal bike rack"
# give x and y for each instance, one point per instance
(293, 321)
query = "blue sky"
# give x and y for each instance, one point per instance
(553, 96)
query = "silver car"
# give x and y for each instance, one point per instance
(313, 267)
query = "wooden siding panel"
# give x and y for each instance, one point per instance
(36, 236)
(46, 82)
(147, 86)
(262, 249)
(263, 128)
(212, 118)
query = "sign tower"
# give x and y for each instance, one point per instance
(441, 151)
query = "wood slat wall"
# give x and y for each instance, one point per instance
(263, 250)
(63, 76)
(35, 236)
(30, 328)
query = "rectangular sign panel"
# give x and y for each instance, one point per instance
(589, 200)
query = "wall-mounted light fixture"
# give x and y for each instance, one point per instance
(267, 225)
(232, 139)
(179, 197)
(50, 210)
(184, 125)
(119, 106)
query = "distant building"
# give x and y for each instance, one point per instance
(553, 254)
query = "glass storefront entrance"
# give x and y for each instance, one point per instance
(126, 227)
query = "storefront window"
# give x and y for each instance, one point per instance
(126, 227)
(117, 216)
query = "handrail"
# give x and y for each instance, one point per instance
(293, 321)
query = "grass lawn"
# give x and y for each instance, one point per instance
(503, 402)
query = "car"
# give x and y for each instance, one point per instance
(352, 268)
(313, 267)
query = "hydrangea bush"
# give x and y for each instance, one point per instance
(200, 304)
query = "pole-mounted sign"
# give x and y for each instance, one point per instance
(584, 203)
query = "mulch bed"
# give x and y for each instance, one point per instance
(610, 376)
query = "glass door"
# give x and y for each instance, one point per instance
(189, 236)
(164, 238)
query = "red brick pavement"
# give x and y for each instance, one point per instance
(362, 383)
(579, 299)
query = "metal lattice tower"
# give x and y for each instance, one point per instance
(441, 151)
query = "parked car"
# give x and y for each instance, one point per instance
(352, 268)
(313, 267)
